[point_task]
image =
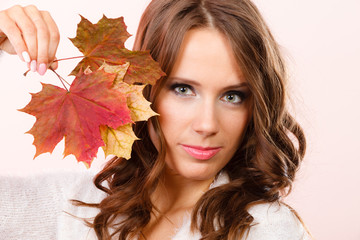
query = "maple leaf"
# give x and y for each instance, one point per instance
(138, 105)
(119, 70)
(104, 42)
(118, 141)
(77, 115)
(101, 105)
(140, 109)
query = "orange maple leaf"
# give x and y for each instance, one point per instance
(77, 115)
(104, 42)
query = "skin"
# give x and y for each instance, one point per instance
(31, 34)
(205, 103)
(208, 107)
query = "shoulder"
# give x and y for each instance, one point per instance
(275, 221)
(41, 184)
(47, 183)
(24, 199)
(48, 190)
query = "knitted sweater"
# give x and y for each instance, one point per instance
(37, 207)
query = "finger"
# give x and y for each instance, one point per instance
(27, 28)
(43, 37)
(54, 64)
(9, 27)
(54, 37)
(7, 47)
(2, 37)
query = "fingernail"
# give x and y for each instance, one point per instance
(42, 69)
(33, 66)
(25, 56)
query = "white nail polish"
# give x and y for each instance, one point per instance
(33, 66)
(26, 56)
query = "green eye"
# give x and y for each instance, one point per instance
(183, 90)
(233, 97)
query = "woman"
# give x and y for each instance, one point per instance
(224, 150)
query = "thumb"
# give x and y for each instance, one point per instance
(5, 44)
(54, 64)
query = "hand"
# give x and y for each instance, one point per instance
(31, 34)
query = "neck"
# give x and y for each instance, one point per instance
(175, 192)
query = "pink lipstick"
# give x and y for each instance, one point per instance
(201, 152)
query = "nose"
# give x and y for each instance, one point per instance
(205, 120)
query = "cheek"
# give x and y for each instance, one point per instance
(170, 119)
(173, 116)
(236, 127)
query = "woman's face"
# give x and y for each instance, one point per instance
(204, 106)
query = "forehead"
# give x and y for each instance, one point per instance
(206, 54)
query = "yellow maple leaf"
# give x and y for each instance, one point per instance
(120, 70)
(140, 109)
(118, 141)
(138, 105)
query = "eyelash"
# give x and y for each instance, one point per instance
(241, 95)
(176, 88)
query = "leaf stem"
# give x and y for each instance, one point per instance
(25, 73)
(62, 80)
(62, 59)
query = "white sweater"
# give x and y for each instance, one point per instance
(37, 208)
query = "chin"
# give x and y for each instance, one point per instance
(198, 172)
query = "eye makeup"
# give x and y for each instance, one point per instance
(232, 94)
(235, 97)
(182, 89)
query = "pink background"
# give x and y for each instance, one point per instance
(320, 40)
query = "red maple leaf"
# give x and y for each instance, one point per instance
(77, 115)
(92, 101)
(104, 42)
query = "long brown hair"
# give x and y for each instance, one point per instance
(264, 166)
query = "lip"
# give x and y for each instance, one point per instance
(201, 153)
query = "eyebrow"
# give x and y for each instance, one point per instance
(192, 82)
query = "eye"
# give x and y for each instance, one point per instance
(183, 89)
(234, 97)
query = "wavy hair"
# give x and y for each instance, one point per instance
(264, 166)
